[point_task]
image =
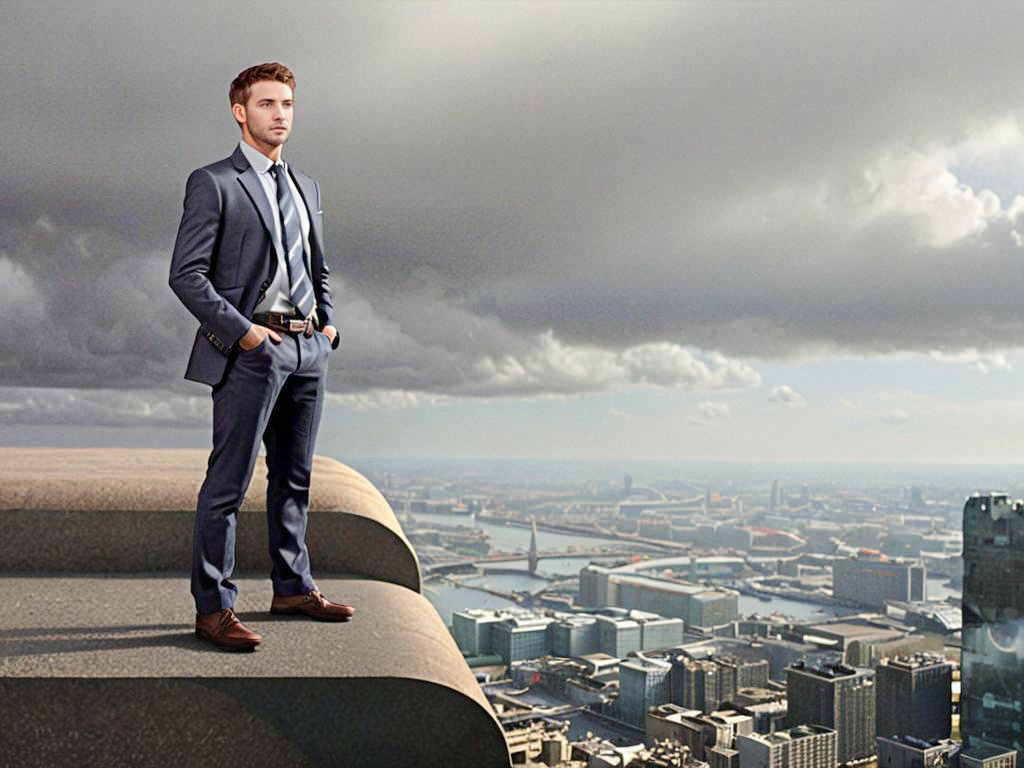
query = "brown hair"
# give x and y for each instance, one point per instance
(241, 85)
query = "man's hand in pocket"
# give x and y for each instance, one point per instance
(255, 336)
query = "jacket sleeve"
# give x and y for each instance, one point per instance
(325, 310)
(191, 260)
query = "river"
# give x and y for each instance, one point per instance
(448, 599)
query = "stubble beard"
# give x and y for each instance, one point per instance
(274, 139)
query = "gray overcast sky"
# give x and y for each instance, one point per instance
(534, 200)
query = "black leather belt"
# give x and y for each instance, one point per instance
(282, 322)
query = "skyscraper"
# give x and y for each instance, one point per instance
(992, 674)
(836, 696)
(913, 696)
(643, 683)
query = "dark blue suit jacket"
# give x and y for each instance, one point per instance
(224, 258)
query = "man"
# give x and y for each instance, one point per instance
(248, 262)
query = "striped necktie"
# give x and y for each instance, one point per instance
(301, 289)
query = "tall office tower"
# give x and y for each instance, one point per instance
(992, 667)
(643, 683)
(839, 697)
(775, 502)
(705, 684)
(697, 684)
(743, 673)
(803, 746)
(914, 696)
(871, 580)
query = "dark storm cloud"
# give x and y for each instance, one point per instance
(523, 198)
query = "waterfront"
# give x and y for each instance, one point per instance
(447, 598)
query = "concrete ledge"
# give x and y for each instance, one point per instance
(107, 671)
(119, 510)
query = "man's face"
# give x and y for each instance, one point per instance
(268, 114)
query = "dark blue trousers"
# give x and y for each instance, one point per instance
(274, 391)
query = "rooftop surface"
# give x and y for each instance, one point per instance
(93, 650)
(99, 662)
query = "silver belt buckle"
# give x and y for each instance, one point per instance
(296, 325)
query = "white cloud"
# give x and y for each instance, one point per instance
(785, 395)
(916, 190)
(708, 412)
(982, 362)
(383, 400)
(549, 366)
(894, 416)
(102, 407)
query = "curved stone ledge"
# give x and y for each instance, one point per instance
(126, 510)
(94, 670)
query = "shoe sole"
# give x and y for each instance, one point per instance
(296, 612)
(223, 647)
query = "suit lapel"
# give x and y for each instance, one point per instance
(254, 188)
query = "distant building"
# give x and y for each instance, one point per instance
(705, 684)
(913, 696)
(803, 746)
(779, 652)
(765, 706)
(574, 635)
(775, 500)
(910, 752)
(659, 632)
(870, 580)
(988, 757)
(836, 696)
(472, 630)
(695, 604)
(515, 638)
(643, 683)
(697, 684)
(936, 617)
(618, 636)
(709, 736)
(992, 666)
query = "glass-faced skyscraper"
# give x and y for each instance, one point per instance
(992, 675)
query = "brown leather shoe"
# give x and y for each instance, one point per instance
(312, 604)
(225, 630)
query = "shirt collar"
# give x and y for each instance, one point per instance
(259, 162)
